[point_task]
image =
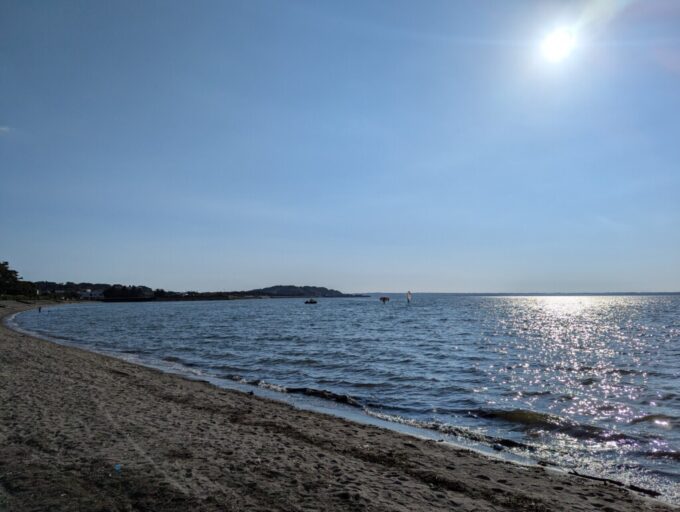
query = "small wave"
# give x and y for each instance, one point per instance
(267, 385)
(63, 337)
(532, 421)
(367, 385)
(521, 416)
(400, 408)
(319, 393)
(172, 359)
(229, 369)
(133, 351)
(657, 419)
(190, 364)
(273, 360)
(449, 429)
(670, 455)
(185, 349)
(617, 371)
(327, 395)
(452, 388)
(351, 384)
(625, 371)
(536, 393)
(235, 378)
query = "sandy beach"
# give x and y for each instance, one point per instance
(81, 431)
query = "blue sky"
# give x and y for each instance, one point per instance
(357, 145)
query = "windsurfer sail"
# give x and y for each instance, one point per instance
(409, 296)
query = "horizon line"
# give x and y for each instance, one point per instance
(529, 293)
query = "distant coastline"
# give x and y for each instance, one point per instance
(122, 293)
(272, 292)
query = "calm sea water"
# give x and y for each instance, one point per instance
(588, 383)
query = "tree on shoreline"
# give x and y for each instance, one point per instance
(118, 291)
(12, 284)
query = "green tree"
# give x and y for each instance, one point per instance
(12, 284)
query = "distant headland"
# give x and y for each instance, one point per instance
(119, 293)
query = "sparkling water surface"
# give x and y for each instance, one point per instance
(590, 383)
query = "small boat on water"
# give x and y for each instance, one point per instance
(310, 301)
(384, 299)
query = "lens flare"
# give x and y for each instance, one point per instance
(558, 45)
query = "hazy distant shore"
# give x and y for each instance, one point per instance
(82, 431)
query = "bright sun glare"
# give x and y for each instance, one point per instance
(558, 44)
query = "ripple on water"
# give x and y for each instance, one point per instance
(587, 382)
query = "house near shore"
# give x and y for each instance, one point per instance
(91, 294)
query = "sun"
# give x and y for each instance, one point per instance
(558, 44)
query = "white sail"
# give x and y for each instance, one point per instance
(409, 296)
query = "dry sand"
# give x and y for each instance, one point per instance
(68, 417)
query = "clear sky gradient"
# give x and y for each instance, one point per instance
(363, 145)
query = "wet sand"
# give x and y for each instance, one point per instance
(81, 431)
